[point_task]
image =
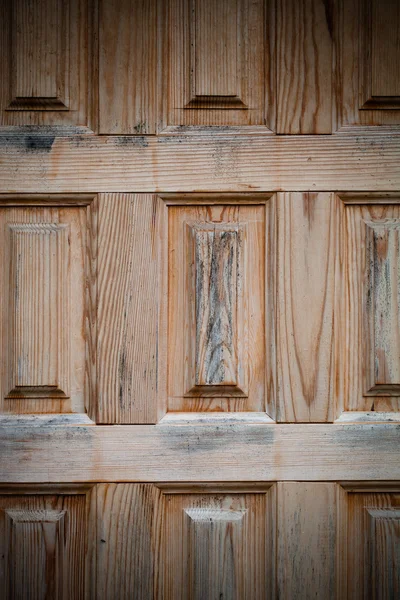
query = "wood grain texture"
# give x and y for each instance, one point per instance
(47, 52)
(216, 65)
(216, 292)
(43, 543)
(32, 163)
(232, 452)
(129, 519)
(131, 327)
(130, 66)
(373, 545)
(306, 551)
(304, 67)
(307, 238)
(367, 58)
(217, 545)
(43, 285)
(368, 354)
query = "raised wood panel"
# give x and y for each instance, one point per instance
(219, 60)
(48, 361)
(216, 312)
(131, 309)
(217, 545)
(307, 265)
(306, 534)
(46, 58)
(367, 65)
(304, 66)
(373, 545)
(130, 66)
(369, 308)
(43, 543)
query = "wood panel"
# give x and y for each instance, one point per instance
(237, 451)
(44, 306)
(306, 551)
(47, 51)
(216, 291)
(307, 258)
(369, 308)
(304, 66)
(131, 309)
(219, 60)
(33, 163)
(217, 545)
(368, 58)
(373, 545)
(43, 542)
(130, 66)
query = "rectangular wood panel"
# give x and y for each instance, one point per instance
(47, 63)
(216, 290)
(218, 59)
(368, 354)
(304, 66)
(45, 307)
(43, 540)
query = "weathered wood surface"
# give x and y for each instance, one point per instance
(208, 162)
(181, 453)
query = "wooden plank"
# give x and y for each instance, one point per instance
(130, 308)
(306, 270)
(306, 548)
(34, 163)
(304, 67)
(129, 519)
(235, 452)
(129, 67)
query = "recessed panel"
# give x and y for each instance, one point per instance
(216, 329)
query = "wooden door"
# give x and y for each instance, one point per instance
(200, 299)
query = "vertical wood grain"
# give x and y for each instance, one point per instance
(129, 67)
(385, 50)
(304, 66)
(306, 550)
(131, 332)
(306, 274)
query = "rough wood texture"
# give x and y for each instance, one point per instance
(42, 546)
(216, 294)
(130, 67)
(232, 452)
(218, 546)
(131, 331)
(304, 66)
(367, 63)
(207, 162)
(306, 540)
(47, 50)
(43, 307)
(306, 270)
(217, 55)
(369, 307)
(373, 545)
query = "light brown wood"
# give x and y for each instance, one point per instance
(130, 63)
(307, 257)
(216, 66)
(46, 361)
(216, 332)
(306, 540)
(304, 66)
(367, 59)
(47, 51)
(233, 452)
(207, 162)
(131, 308)
(368, 351)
